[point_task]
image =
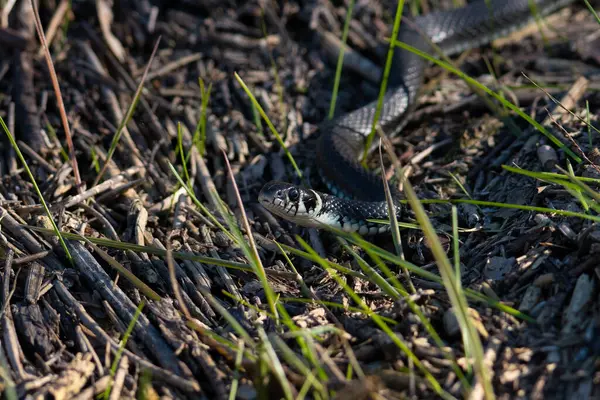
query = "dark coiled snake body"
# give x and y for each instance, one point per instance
(357, 195)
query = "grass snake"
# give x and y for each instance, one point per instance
(357, 194)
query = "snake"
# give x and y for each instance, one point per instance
(357, 197)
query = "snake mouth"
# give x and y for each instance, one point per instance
(274, 198)
(274, 205)
(287, 211)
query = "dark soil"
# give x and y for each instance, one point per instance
(62, 321)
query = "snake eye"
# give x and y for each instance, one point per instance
(293, 194)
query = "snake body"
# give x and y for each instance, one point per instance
(357, 194)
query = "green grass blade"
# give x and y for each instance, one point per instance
(434, 384)
(275, 364)
(37, 189)
(548, 176)
(394, 259)
(455, 245)
(199, 138)
(119, 354)
(269, 124)
(127, 117)
(135, 281)
(588, 123)
(249, 248)
(544, 210)
(239, 356)
(386, 75)
(340, 61)
(471, 339)
(393, 219)
(398, 290)
(589, 6)
(198, 204)
(181, 255)
(490, 92)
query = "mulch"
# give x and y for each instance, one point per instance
(62, 320)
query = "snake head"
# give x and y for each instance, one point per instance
(291, 202)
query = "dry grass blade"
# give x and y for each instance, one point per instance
(174, 284)
(253, 251)
(123, 271)
(577, 90)
(57, 92)
(233, 305)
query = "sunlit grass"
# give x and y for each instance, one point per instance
(269, 124)
(471, 340)
(393, 219)
(9, 387)
(199, 138)
(135, 281)
(146, 249)
(37, 189)
(122, 344)
(592, 11)
(237, 373)
(395, 260)
(386, 75)
(493, 94)
(271, 353)
(127, 117)
(340, 61)
(434, 384)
